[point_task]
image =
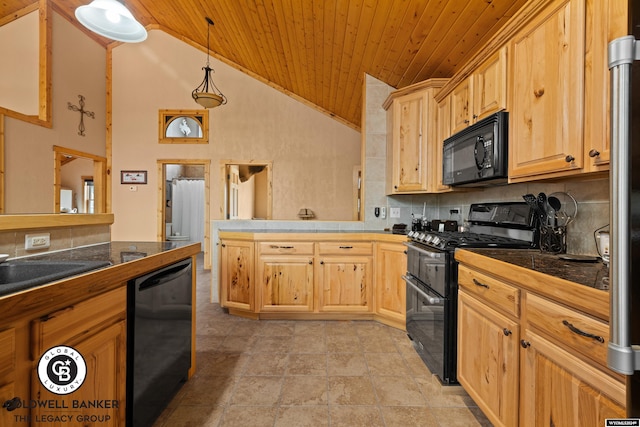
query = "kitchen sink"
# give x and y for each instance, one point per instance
(23, 274)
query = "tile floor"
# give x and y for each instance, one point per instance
(309, 373)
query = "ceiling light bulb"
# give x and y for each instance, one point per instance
(112, 16)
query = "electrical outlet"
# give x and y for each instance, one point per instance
(394, 212)
(37, 241)
(383, 212)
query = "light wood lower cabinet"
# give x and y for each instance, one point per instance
(96, 329)
(559, 389)
(350, 279)
(488, 363)
(544, 366)
(7, 373)
(236, 272)
(391, 265)
(285, 277)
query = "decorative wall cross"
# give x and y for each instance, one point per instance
(82, 114)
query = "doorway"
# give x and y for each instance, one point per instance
(246, 189)
(79, 181)
(183, 203)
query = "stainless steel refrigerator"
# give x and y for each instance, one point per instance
(624, 342)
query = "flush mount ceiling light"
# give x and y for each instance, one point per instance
(111, 19)
(207, 94)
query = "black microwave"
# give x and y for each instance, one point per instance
(477, 155)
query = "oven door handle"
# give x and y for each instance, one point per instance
(433, 254)
(432, 300)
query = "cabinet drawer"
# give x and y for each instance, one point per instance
(68, 325)
(345, 248)
(289, 248)
(569, 327)
(498, 294)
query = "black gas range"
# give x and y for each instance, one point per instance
(432, 276)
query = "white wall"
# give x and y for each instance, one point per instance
(313, 155)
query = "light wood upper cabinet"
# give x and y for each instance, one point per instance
(411, 120)
(236, 274)
(481, 94)
(547, 93)
(443, 123)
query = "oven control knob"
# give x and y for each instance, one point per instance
(436, 240)
(428, 238)
(410, 234)
(422, 235)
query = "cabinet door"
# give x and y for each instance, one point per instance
(547, 106)
(286, 283)
(7, 374)
(488, 364)
(561, 390)
(443, 132)
(409, 156)
(344, 284)
(391, 265)
(461, 99)
(490, 86)
(104, 353)
(236, 284)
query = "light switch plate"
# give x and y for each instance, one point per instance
(394, 212)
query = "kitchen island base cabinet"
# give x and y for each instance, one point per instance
(285, 283)
(236, 262)
(488, 363)
(345, 284)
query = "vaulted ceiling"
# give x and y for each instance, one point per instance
(319, 50)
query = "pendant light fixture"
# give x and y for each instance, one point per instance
(111, 19)
(207, 94)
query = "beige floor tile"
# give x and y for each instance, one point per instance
(277, 328)
(386, 364)
(222, 364)
(351, 391)
(236, 344)
(343, 344)
(337, 327)
(461, 417)
(302, 416)
(191, 415)
(310, 328)
(355, 416)
(406, 416)
(272, 344)
(208, 390)
(248, 328)
(267, 364)
(346, 364)
(304, 390)
(307, 364)
(257, 391)
(308, 344)
(249, 416)
(398, 391)
(373, 344)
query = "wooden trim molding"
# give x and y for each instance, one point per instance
(26, 222)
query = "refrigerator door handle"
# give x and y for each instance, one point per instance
(622, 356)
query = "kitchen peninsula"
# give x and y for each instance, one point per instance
(86, 312)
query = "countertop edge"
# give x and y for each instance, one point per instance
(305, 235)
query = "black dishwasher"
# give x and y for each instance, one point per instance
(159, 317)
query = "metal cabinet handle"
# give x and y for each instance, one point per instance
(582, 333)
(12, 404)
(466, 121)
(346, 247)
(480, 284)
(594, 153)
(311, 262)
(525, 344)
(282, 247)
(321, 262)
(569, 158)
(506, 332)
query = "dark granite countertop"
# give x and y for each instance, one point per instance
(592, 274)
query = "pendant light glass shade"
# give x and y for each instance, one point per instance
(111, 19)
(207, 94)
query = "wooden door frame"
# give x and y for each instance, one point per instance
(162, 181)
(223, 182)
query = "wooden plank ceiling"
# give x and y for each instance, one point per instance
(319, 50)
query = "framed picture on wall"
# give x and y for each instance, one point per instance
(183, 127)
(133, 177)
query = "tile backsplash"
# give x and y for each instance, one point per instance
(12, 242)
